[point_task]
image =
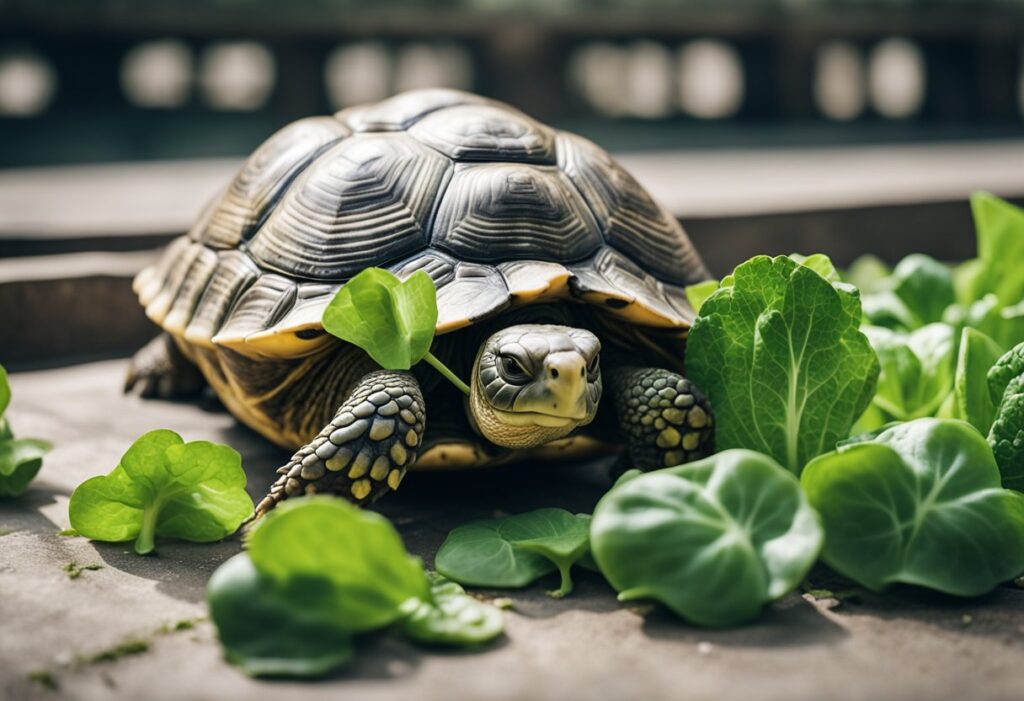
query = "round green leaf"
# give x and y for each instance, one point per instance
(163, 486)
(275, 630)
(714, 540)
(358, 551)
(921, 504)
(450, 617)
(393, 321)
(514, 551)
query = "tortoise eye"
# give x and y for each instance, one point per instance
(594, 365)
(512, 370)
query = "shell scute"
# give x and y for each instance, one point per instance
(263, 177)
(405, 109)
(486, 133)
(364, 202)
(493, 212)
(631, 221)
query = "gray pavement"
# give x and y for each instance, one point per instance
(905, 645)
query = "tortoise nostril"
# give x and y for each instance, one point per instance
(554, 373)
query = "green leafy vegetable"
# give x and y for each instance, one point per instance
(358, 552)
(318, 572)
(5, 390)
(972, 400)
(1000, 230)
(916, 373)
(780, 355)
(20, 459)
(393, 321)
(868, 274)
(516, 550)
(917, 293)
(819, 263)
(714, 540)
(450, 616)
(272, 630)
(698, 293)
(164, 487)
(920, 504)
(1006, 390)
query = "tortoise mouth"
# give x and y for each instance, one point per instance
(537, 418)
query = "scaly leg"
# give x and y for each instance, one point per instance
(666, 419)
(366, 449)
(160, 370)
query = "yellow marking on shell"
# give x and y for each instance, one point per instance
(360, 465)
(361, 489)
(673, 457)
(310, 489)
(395, 478)
(698, 418)
(399, 454)
(691, 440)
(669, 438)
(412, 439)
(535, 280)
(380, 468)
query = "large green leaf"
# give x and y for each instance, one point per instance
(516, 550)
(357, 551)
(714, 540)
(275, 630)
(781, 358)
(164, 487)
(393, 321)
(921, 504)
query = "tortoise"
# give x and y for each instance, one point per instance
(557, 275)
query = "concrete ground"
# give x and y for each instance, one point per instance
(905, 645)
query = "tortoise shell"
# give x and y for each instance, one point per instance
(497, 208)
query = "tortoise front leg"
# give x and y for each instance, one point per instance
(666, 419)
(365, 450)
(160, 370)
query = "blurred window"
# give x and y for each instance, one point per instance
(649, 80)
(896, 74)
(27, 84)
(236, 75)
(710, 79)
(839, 87)
(421, 65)
(358, 73)
(598, 73)
(158, 74)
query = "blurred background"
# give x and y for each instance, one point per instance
(766, 125)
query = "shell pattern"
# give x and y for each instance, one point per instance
(496, 207)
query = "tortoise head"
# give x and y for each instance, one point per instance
(534, 383)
